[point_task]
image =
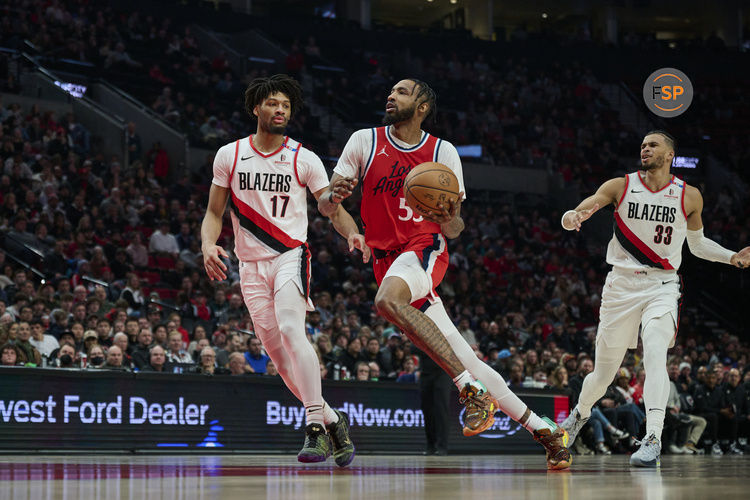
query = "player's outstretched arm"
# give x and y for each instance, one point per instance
(210, 231)
(702, 247)
(342, 220)
(606, 194)
(339, 189)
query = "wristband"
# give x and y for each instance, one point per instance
(562, 221)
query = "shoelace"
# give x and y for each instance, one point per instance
(651, 438)
(477, 401)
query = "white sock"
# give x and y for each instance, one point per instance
(329, 416)
(508, 402)
(462, 379)
(534, 423)
(314, 414)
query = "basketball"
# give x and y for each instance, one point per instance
(429, 184)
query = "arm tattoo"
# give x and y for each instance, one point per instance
(425, 334)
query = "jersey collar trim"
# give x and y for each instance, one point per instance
(264, 155)
(671, 180)
(425, 135)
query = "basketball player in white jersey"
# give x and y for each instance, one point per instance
(411, 257)
(654, 214)
(265, 178)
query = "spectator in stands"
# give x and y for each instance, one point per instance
(271, 370)
(157, 361)
(158, 160)
(66, 357)
(103, 332)
(135, 149)
(361, 371)
(409, 374)
(175, 353)
(199, 346)
(90, 338)
(711, 403)
(10, 355)
(255, 358)
(208, 366)
(119, 57)
(95, 357)
(133, 294)
(43, 343)
(352, 355)
(682, 429)
(115, 360)
(161, 337)
(29, 354)
(140, 351)
(238, 364)
(162, 242)
(137, 251)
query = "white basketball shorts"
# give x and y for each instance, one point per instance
(631, 298)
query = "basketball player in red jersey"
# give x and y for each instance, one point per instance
(654, 214)
(411, 257)
(265, 177)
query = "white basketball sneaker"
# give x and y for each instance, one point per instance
(649, 454)
(573, 424)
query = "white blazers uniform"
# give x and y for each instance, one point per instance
(268, 203)
(650, 226)
(645, 252)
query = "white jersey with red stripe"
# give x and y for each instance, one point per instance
(268, 197)
(650, 226)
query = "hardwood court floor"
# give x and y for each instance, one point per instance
(272, 477)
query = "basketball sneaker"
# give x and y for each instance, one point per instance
(648, 455)
(317, 447)
(343, 448)
(573, 425)
(555, 442)
(480, 408)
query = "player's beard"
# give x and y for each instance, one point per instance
(400, 115)
(655, 164)
(271, 128)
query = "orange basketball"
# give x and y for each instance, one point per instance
(429, 184)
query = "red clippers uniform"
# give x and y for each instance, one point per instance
(381, 163)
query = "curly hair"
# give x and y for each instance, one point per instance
(260, 88)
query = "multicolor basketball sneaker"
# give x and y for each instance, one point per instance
(317, 447)
(555, 442)
(343, 448)
(480, 408)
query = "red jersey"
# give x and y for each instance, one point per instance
(381, 163)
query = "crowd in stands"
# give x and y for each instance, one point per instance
(119, 247)
(154, 58)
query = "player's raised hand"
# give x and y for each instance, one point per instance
(741, 259)
(576, 218)
(212, 263)
(357, 241)
(343, 188)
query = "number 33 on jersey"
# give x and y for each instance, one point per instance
(268, 200)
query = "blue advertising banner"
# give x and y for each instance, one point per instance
(53, 409)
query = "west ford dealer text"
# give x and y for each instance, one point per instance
(134, 411)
